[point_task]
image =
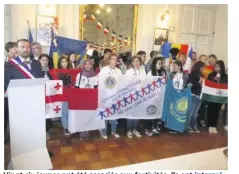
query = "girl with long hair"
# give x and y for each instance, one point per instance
(157, 69)
(136, 70)
(63, 63)
(196, 81)
(218, 76)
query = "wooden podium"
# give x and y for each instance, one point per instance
(27, 121)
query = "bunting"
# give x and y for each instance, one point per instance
(106, 31)
(99, 25)
(113, 35)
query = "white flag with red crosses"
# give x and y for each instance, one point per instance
(54, 98)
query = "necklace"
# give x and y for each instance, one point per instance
(178, 77)
(88, 84)
(135, 73)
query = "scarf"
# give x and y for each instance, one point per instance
(85, 72)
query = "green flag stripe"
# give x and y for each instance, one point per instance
(214, 99)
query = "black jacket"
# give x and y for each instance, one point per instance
(11, 72)
(223, 79)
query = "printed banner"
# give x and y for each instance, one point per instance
(134, 97)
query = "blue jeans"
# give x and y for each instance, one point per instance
(196, 104)
(131, 124)
(64, 117)
(113, 127)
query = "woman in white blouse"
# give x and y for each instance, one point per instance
(180, 79)
(136, 70)
(111, 69)
(157, 69)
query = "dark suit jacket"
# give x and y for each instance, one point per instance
(11, 72)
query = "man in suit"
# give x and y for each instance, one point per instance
(37, 51)
(21, 67)
(31, 65)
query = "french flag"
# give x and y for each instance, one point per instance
(93, 17)
(85, 17)
(113, 35)
(82, 110)
(106, 31)
(99, 25)
(190, 52)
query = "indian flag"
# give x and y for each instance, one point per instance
(214, 92)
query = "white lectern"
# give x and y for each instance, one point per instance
(27, 121)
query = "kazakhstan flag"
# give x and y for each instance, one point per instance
(176, 107)
(64, 46)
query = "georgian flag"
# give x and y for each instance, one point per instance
(93, 17)
(106, 31)
(82, 110)
(113, 35)
(99, 25)
(54, 98)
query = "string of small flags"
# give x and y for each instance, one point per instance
(106, 29)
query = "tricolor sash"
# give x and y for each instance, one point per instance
(22, 68)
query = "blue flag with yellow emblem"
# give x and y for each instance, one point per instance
(176, 107)
(64, 46)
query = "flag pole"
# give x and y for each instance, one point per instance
(28, 23)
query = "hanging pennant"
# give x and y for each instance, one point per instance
(106, 31)
(113, 35)
(85, 17)
(120, 38)
(99, 25)
(92, 17)
(126, 41)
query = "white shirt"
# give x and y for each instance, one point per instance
(85, 82)
(28, 59)
(36, 58)
(108, 70)
(135, 72)
(143, 66)
(188, 65)
(178, 81)
(149, 73)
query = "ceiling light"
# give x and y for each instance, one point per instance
(108, 9)
(97, 11)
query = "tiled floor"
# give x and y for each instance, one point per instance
(73, 153)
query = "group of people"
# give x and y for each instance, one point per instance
(125, 64)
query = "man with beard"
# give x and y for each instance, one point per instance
(21, 67)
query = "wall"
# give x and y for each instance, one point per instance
(15, 24)
(220, 43)
(16, 20)
(149, 18)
